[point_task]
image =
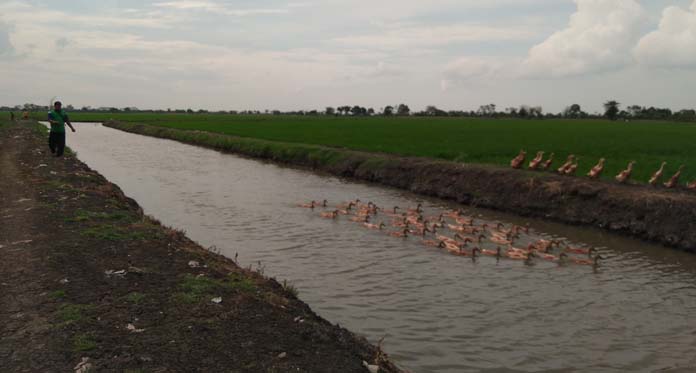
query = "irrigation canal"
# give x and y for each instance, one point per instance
(438, 312)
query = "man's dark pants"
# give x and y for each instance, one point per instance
(56, 141)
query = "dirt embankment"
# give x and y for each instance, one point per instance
(658, 215)
(86, 279)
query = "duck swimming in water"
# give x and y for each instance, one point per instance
(400, 234)
(374, 226)
(330, 215)
(310, 205)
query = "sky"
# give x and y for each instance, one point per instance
(310, 54)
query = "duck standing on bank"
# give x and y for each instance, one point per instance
(624, 175)
(596, 171)
(570, 171)
(657, 175)
(518, 161)
(569, 162)
(536, 162)
(547, 163)
(674, 180)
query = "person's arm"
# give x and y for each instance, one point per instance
(67, 121)
(51, 119)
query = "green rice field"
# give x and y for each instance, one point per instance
(469, 140)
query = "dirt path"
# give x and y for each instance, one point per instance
(84, 276)
(23, 244)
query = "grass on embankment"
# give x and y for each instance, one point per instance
(485, 141)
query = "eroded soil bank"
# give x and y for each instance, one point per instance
(658, 215)
(86, 278)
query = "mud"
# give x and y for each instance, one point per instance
(667, 217)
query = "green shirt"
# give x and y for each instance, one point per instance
(58, 116)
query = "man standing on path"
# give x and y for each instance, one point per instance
(56, 138)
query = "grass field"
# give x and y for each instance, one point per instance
(485, 141)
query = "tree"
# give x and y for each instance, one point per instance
(536, 112)
(573, 111)
(487, 110)
(523, 112)
(433, 111)
(330, 111)
(371, 111)
(403, 109)
(388, 110)
(611, 109)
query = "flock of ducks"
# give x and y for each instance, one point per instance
(457, 233)
(570, 167)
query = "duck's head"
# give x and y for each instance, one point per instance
(597, 259)
(396, 208)
(474, 252)
(442, 245)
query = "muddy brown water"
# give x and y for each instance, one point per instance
(437, 312)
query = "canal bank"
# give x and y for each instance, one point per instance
(667, 217)
(87, 279)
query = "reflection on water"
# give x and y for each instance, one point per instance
(439, 313)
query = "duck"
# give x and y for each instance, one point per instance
(572, 168)
(330, 215)
(473, 253)
(674, 180)
(400, 234)
(657, 175)
(361, 219)
(417, 211)
(547, 164)
(593, 261)
(534, 163)
(402, 223)
(310, 205)
(450, 246)
(496, 253)
(624, 175)
(465, 221)
(582, 251)
(501, 240)
(569, 162)
(691, 185)
(546, 256)
(517, 162)
(596, 171)
(374, 226)
(563, 260)
(530, 259)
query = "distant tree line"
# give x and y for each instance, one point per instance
(612, 110)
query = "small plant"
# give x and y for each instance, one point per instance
(83, 342)
(135, 297)
(290, 288)
(57, 295)
(72, 313)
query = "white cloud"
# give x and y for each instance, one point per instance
(673, 44)
(213, 7)
(6, 47)
(465, 69)
(599, 37)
